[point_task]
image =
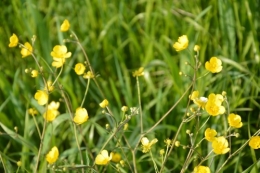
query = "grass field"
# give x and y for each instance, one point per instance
(119, 37)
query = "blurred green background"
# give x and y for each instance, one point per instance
(120, 36)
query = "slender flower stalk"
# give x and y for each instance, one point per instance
(85, 94)
(140, 104)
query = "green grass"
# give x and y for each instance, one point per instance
(119, 37)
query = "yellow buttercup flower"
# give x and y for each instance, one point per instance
(34, 73)
(103, 158)
(104, 103)
(124, 108)
(199, 101)
(52, 111)
(42, 97)
(182, 43)
(59, 54)
(81, 115)
(13, 41)
(161, 152)
(146, 144)
(168, 142)
(213, 105)
(49, 86)
(254, 142)
(201, 169)
(234, 120)
(139, 72)
(88, 75)
(210, 134)
(19, 163)
(79, 68)
(220, 145)
(196, 48)
(116, 157)
(32, 111)
(65, 26)
(26, 50)
(53, 155)
(214, 65)
(214, 109)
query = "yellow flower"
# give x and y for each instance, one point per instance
(59, 54)
(104, 103)
(26, 50)
(32, 111)
(213, 105)
(234, 120)
(122, 163)
(182, 43)
(201, 169)
(214, 65)
(196, 48)
(42, 97)
(161, 152)
(53, 155)
(177, 143)
(139, 72)
(210, 134)
(34, 73)
(124, 108)
(49, 86)
(116, 157)
(168, 142)
(103, 158)
(126, 126)
(81, 115)
(13, 41)
(220, 145)
(79, 68)
(254, 142)
(88, 75)
(199, 101)
(65, 26)
(146, 144)
(19, 163)
(52, 111)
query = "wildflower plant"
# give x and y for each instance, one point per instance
(116, 135)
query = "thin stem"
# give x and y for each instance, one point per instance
(140, 105)
(155, 166)
(37, 127)
(2, 162)
(133, 155)
(58, 76)
(74, 125)
(169, 111)
(85, 93)
(88, 63)
(41, 144)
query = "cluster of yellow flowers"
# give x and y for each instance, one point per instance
(213, 106)
(26, 47)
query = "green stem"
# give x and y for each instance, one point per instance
(41, 144)
(85, 93)
(155, 166)
(140, 104)
(37, 127)
(58, 76)
(2, 162)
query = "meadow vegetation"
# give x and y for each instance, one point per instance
(130, 86)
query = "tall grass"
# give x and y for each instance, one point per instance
(119, 37)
